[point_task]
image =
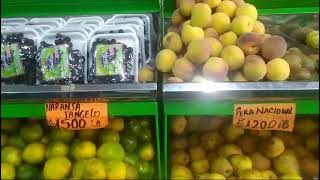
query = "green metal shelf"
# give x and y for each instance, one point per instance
(27, 110)
(40, 8)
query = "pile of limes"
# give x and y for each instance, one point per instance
(30, 149)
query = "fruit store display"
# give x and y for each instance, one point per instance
(204, 147)
(30, 149)
(223, 40)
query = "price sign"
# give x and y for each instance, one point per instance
(265, 116)
(75, 115)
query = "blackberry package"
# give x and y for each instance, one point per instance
(138, 25)
(113, 58)
(61, 58)
(148, 31)
(18, 56)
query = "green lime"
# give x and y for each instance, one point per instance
(33, 120)
(94, 169)
(57, 168)
(7, 171)
(146, 152)
(145, 122)
(129, 143)
(109, 135)
(134, 127)
(11, 155)
(115, 169)
(78, 169)
(131, 172)
(83, 150)
(131, 158)
(44, 139)
(110, 151)
(10, 125)
(57, 148)
(33, 153)
(88, 134)
(64, 135)
(27, 171)
(4, 139)
(31, 132)
(145, 170)
(16, 141)
(145, 135)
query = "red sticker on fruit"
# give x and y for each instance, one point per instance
(76, 115)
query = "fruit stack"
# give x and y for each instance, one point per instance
(212, 148)
(222, 40)
(30, 149)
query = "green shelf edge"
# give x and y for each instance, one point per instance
(25, 110)
(40, 8)
(218, 108)
(225, 108)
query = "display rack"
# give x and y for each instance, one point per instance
(22, 101)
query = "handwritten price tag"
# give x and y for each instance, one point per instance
(76, 115)
(265, 116)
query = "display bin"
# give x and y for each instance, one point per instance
(21, 109)
(209, 99)
(124, 100)
(206, 146)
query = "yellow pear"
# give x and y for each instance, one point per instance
(220, 22)
(227, 7)
(247, 10)
(173, 42)
(190, 33)
(165, 60)
(242, 24)
(199, 51)
(186, 7)
(212, 3)
(201, 15)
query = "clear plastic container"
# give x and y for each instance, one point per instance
(40, 28)
(54, 22)
(59, 20)
(148, 28)
(61, 58)
(85, 18)
(113, 58)
(95, 23)
(138, 24)
(70, 29)
(18, 54)
(14, 20)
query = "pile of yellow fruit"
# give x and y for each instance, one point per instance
(222, 40)
(212, 148)
(31, 150)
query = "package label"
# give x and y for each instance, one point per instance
(54, 62)
(11, 64)
(76, 116)
(265, 116)
(109, 59)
